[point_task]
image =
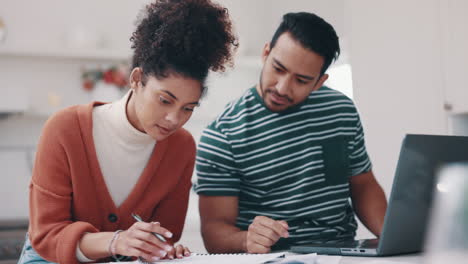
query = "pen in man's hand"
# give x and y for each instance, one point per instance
(158, 236)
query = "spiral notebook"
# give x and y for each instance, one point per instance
(196, 258)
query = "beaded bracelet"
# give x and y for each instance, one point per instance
(111, 247)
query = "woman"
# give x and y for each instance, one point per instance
(98, 164)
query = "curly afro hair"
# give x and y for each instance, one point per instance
(186, 37)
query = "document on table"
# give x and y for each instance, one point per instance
(291, 258)
(220, 258)
(271, 258)
(380, 261)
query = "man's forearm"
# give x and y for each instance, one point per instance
(369, 201)
(223, 237)
(371, 210)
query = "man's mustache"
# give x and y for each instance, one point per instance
(277, 94)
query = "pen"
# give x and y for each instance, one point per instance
(158, 236)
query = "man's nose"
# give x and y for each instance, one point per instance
(283, 85)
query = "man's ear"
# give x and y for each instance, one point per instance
(265, 52)
(320, 82)
(136, 78)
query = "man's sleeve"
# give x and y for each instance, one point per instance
(359, 159)
(217, 174)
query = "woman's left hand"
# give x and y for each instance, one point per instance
(178, 251)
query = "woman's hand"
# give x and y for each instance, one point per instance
(138, 241)
(178, 251)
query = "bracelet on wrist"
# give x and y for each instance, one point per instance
(111, 247)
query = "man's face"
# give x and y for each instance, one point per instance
(290, 73)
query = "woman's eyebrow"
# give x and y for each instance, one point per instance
(175, 98)
(170, 94)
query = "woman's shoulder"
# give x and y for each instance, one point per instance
(67, 119)
(62, 118)
(180, 146)
(182, 139)
(183, 136)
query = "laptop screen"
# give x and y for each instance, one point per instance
(411, 197)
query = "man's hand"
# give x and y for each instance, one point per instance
(178, 251)
(263, 233)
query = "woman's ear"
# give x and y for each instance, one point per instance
(136, 78)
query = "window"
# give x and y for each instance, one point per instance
(340, 79)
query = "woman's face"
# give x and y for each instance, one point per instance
(162, 106)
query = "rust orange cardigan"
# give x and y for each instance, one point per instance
(68, 194)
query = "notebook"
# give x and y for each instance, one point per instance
(276, 258)
(196, 258)
(410, 202)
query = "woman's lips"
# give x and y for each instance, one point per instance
(164, 130)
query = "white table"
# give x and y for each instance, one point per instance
(403, 259)
(323, 259)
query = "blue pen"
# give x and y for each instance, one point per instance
(158, 236)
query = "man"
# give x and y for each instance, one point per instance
(278, 166)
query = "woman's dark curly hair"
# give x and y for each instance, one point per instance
(186, 37)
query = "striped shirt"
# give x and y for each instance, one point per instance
(293, 165)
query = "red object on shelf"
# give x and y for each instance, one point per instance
(115, 75)
(88, 85)
(108, 76)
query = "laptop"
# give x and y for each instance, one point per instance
(410, 201)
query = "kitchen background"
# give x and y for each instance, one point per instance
(403, 62)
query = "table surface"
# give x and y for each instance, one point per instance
(324, 259)
(404, 259)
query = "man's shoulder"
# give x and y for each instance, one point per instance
(328, 97)
(236, 109)
(330, 94)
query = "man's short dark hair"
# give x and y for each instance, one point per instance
(313, 33)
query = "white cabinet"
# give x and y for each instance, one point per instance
(454, 29)
(48, 52)
(13, 99)
(15, 176)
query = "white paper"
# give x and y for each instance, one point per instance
(273, 258)
(312, 258)
(219, 258)
(380, 261)
(303, 259)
